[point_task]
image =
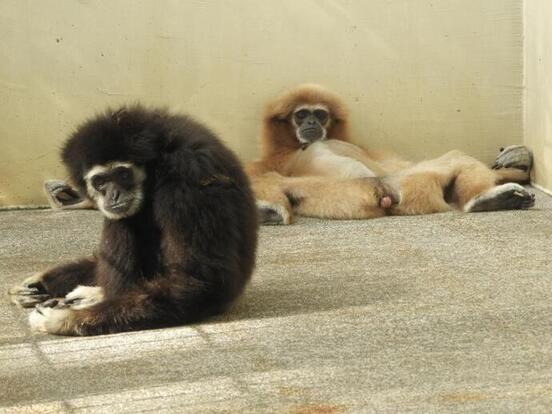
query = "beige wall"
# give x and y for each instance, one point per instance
(538, 83)
(420, 76)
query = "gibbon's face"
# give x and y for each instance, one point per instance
(117, 188)
(310, 123)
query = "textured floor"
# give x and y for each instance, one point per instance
(442, 313)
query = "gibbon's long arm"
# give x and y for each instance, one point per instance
(278, 197)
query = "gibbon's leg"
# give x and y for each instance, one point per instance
(159, 303)
(475, 188)
(456, 178)
(53, 283)
(421, 193)
(172, 298)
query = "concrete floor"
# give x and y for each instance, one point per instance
(443, 313)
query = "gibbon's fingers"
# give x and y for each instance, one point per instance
(514, 156)
(61, 195)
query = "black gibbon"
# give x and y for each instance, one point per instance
(309, 167)
(180, 231)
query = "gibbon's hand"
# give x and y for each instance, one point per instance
(514, 156)
(29, 293)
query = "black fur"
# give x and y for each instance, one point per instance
(190, 249)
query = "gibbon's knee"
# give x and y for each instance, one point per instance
(421, 193)
(180, 230)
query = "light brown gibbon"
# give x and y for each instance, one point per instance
(309, 167)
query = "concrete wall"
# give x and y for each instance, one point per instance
(538, 83)
(420, 76)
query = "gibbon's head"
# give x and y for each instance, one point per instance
(301, 116)
(117, 188)
(310, 122)
(107, 157)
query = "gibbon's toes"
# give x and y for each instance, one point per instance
(528, 202)
(514, 156)
(509, 196)
(30, 292)
(272, 214)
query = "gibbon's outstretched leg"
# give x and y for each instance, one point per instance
(456, 178)
(53, 283)
(427, 187)
(324, 197)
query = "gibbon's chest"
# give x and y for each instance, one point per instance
(330, 158)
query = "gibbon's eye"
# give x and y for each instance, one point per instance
(98, 182)
(124, 174)
(321, 115)
(302, 114)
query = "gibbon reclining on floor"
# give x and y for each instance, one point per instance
(308, 167)
(179, 235)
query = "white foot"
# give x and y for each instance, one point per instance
(49, 320)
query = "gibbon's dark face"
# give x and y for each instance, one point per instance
(310, 122)
(117, 188)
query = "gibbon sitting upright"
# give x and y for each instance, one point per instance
(179, 235)
(309, 167)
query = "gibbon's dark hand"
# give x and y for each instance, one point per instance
(514, 156)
